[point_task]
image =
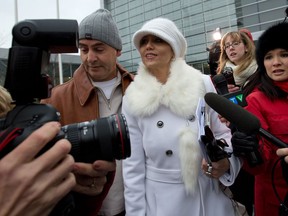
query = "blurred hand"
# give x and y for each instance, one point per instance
(224, 120)
(233, 88)
(246, 146)
(283, 152)
(219, 168)
(33, 186)
(215, 148)
(91, 178)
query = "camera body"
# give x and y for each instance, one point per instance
(228, 74)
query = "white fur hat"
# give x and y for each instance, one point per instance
(166, 30)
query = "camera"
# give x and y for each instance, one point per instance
(213, 58)
(101, 139)
(26, 80)
(236, 97)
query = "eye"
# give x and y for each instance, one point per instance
(158, 40)
(284, 55)
(267, 57)
(83, 49)
(226, 46)
(98, 49)
(143, 41)
(236, 43)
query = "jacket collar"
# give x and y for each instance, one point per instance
(84, 87)
(180, 93)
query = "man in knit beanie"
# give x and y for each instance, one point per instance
(95, 91)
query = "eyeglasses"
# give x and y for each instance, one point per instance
(234, 44)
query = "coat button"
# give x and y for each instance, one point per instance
(160, 124)
(169, 153)
(192, 118)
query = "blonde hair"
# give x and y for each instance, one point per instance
(247, 58)
(5, 102)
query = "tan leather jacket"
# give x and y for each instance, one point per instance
(80, 96)
(77, 101)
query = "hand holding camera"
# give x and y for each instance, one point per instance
(44, 180)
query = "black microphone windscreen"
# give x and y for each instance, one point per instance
(241, 118)
(220, 83)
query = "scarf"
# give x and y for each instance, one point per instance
(242, 76)
(282, 85)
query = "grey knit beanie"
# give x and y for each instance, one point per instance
(100, 26)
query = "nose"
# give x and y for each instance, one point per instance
(149, 44)
(91, 56)
(276, 61)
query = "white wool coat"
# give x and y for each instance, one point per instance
(163, 176)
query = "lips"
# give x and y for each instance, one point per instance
(278, 71)
(94, 66)
(150, 55)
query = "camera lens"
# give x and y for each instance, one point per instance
(100, 139)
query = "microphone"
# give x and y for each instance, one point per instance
(220, 84)
(241, 118)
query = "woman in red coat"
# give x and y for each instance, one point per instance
(267, 99)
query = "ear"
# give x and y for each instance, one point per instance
(118, 53)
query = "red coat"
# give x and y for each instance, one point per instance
(77, 101)
(273, 116)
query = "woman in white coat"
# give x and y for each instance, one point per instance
(166, 174)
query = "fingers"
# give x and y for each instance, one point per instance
(215, 169)
(224, 120)
(283, 152)
(98, 168)
(50, 197)
(207, 168)
(101, 165)
(62, 170)
(28, 149)
(90, 186)
(54, 155)
(91, 178)
(233, 88)
(63, 188)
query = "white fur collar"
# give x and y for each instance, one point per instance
(180, 93)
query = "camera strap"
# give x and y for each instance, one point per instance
(8, 135)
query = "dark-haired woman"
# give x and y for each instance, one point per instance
(267, 98)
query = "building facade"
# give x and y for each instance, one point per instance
(197, 19)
